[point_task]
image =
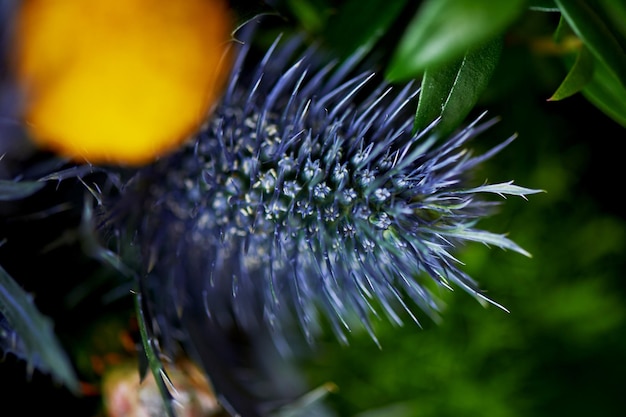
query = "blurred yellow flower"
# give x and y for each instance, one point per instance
(119, 81)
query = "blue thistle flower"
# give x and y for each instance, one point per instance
(305, 195)
(306, 192)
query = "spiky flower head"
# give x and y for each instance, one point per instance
(307, 192)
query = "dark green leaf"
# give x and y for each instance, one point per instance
(14, 190)
(311, 14)
(607, 94)
(596, 35)
(578, 76)
(452, 90)
(444, 30)
(41, 347)
(614, 14)
(436, 86)
(360, 23)
(563, 31)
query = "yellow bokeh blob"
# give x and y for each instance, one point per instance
(121, 82)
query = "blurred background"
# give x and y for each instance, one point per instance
(559, 351)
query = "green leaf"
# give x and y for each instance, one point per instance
(607, 94)
(14, 190)
(444, 30)
(358, 24)
(578, 76)
(563, 31)
(437, 84)
(452, 90)
(596, 35)
(614, 14)
(40, 346)
(311, 14)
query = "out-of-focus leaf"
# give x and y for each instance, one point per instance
(596, 35)
(444, 30)
(40, 346)
(301, 405)
(607, 94)
(614, 13)
(360, 23)
(452, 90)
(14, 190)
(543, 5)
(578, 76)
(563, 31)
(311, 14)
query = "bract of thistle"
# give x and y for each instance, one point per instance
(305, 193)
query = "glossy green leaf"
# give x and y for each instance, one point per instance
(443, 30)
(452, 90)
(40, 346)
(596, 35)
(14, 190)
(358, 24)
(436, 87)
(578, 76)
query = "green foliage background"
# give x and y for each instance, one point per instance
(561, 350)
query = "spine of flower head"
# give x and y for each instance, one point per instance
(12, 342)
